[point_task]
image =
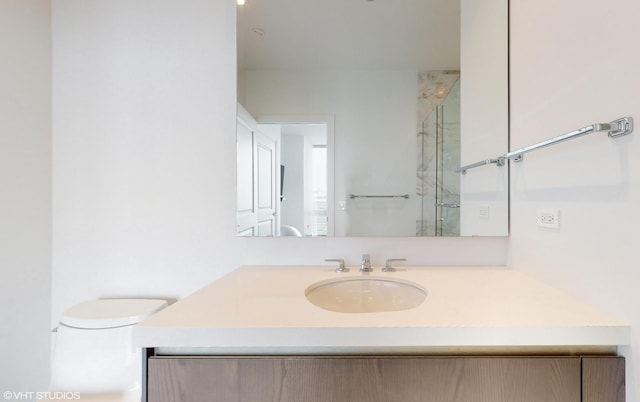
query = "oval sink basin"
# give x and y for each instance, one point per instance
(365, 294)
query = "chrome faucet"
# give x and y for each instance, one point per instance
(366, 263)
(341, 267)
(388, 267)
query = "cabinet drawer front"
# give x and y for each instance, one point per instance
(603, 379)
(364, 379)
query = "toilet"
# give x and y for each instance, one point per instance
(287, 230)
(93, 356)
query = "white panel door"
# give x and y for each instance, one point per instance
(246, 217)
(266, 184)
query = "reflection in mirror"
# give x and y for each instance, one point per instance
(438, 185)
(303, 180)
(405, 93)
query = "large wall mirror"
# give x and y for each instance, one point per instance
(353, 117)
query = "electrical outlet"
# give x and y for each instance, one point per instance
(549, 218)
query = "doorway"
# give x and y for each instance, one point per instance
(305, 181)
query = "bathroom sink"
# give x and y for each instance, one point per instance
(365, 294)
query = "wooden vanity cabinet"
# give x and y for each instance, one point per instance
(385, 379)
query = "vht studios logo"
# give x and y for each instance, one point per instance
(49, 395)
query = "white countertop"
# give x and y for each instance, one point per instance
(263, 310)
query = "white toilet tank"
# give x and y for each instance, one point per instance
(93, 350)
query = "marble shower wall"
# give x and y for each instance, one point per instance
(438, 140)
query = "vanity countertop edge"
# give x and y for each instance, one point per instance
(263, 310)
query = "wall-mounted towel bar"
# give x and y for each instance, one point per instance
(445, 205)
(615, 129)
(497, 161)
(405, 196)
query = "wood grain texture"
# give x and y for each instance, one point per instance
(364, 379)
(603, 379)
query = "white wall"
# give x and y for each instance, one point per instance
(574, 63)
(143, 158)
(484, 121)
(25, 194)
(143, 147)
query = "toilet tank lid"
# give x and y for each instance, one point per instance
(110, 313)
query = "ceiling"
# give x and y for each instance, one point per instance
(349, 34)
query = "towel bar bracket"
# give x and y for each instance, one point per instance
(498, 161)
(621, 127)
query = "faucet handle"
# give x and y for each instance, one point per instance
(341, 267)
(388, 267)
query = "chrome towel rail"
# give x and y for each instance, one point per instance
(405, 196)
(615, 129)
(445, 205)
(463, 169)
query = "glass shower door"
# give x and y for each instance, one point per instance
(439, 156)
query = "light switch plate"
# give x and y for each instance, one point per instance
(483, 212)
